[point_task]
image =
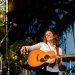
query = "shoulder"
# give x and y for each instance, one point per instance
(60, 48)
(42, 43)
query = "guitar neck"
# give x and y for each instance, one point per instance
(67, 55)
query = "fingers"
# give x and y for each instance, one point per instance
(58, 57)
(22, 50)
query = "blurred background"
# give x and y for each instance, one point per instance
(24, 22)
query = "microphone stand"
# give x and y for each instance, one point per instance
(65, 45)
(67, 59)
(5, 36)
(6, 41)
(7, 31)
(65, 52)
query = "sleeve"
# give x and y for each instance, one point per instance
(33, 47)
(60, 51)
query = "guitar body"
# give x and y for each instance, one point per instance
(38, 58)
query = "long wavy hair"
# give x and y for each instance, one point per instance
(55, 39)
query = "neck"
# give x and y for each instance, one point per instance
(51, 42)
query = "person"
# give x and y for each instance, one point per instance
(50, 43)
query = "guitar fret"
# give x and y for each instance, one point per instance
(68, 55)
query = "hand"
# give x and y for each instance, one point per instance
(23, 50)
(58, 57)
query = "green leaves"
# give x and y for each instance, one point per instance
(13, 52)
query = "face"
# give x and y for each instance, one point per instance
(49, 36)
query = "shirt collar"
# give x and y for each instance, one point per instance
(51, 47)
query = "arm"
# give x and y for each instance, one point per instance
(60, 51)
(58, 58)
(29, 48)
(33, 47)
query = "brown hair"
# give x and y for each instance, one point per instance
(55, 40)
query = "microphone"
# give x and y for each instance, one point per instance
(64, 36)
(65, 39)
(13, 24)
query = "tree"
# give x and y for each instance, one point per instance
(13, 53)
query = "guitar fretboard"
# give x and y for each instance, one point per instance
(68, 55)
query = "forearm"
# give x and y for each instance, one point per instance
(33, 47)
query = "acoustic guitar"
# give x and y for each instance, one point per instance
(37, 57)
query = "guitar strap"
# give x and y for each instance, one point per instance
(57, 50)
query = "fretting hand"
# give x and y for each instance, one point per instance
(58, 58)
(23, 50)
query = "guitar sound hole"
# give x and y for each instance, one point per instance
(42, 60)
(46, 57)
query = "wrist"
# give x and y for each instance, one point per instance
(26, 50)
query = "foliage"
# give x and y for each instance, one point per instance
(13, 52)
(2, 12)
